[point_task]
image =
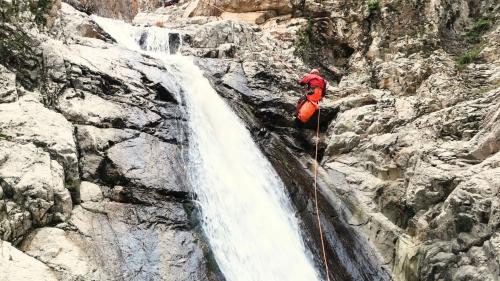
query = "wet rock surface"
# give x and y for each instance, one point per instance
(90, 140)
(409, 145)
(78, 197)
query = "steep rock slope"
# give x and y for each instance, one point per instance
(91, 181)
(409, 128)
(409, 141)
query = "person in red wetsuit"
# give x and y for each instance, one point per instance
(316, 84)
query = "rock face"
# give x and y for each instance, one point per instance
(8, 84)
(121, 9)
(92, 185)
(215, 8)
(18, 266)
(78, 197)
(115, 241)
(409, 146)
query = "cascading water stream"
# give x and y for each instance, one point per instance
(246, 214)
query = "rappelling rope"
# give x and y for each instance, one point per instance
(316, 200)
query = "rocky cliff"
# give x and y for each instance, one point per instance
(409, 147)
(91, 183)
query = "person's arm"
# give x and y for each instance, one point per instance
(305, 80)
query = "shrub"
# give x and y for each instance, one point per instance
(482, 25)
(373, 5)
(468, 57)
(4, 136)
(40, 9)
(304, 46)
(89, 8)
(478, 27)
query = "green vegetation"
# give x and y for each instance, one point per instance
(4, 136)
(373, 5)
(317, 46)
(304, 44)
(479, 27)
(468, 57)
(12, 11)
(40, 9)
(9, 11)
(473, 37)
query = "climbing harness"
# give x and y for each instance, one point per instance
(316, 200)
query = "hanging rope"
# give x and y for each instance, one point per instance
(316, 200)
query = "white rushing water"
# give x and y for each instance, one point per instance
(246, 214)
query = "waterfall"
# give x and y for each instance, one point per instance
(246, 215)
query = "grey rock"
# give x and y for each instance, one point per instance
(17, 266)
(22, 123)
(148, 162)
(34, 191)
(408, 146)
(90, 192)
(8, 91)
(94, 110)
(114, 241)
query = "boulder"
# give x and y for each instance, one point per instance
(34, 191)
(90, 192)
(29, 121)
(148, 162)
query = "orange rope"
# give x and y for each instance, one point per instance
(316, 200)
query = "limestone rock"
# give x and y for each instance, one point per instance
(22, 123)
(8, 91)
(250, 17)
(203, 8)
(110, 241)
(141, 241)
(123, 9)
(73, 23)
(55, 247)
(94, 110)
(34, 191)
(17, 266)
(487, 141)
(90, 192)
(408, 146)
(342, 143)
(93, 145)
(148, 162)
